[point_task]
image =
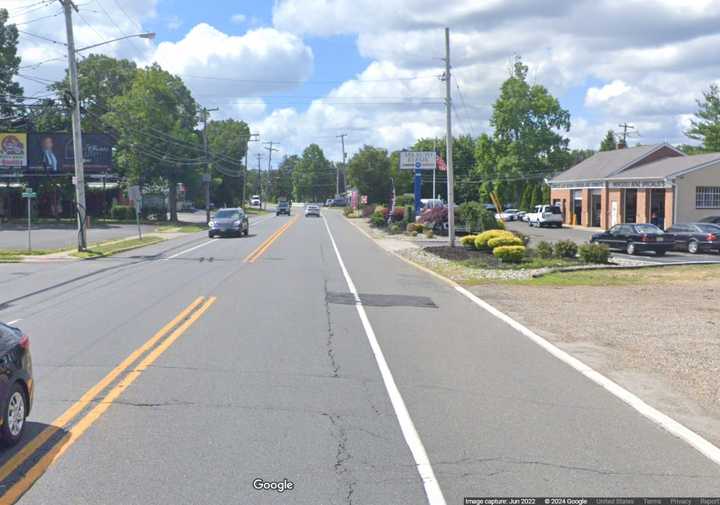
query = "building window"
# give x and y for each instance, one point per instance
(707, 197)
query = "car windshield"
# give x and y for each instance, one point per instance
(227, 214)
(709, 228)
(648, 229)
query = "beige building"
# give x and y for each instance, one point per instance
(646, 184)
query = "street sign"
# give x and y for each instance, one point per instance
(29, 195)
(417, 160)
(206, 178)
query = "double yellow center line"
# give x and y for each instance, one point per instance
(269, 241)
(150, 349)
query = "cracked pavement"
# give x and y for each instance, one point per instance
(276, 381)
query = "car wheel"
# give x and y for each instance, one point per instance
(211, 235)
(630, 248)
(14, 416)
(247, 231)
(693, 247)
(660, 253)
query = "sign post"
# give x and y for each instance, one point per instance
(136, 196)
(417, 161)
(29, 194)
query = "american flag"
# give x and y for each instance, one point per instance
(440, 163)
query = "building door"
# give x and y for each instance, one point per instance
(595, 208)
(657, 207)
(631, 205)
(613, 213)
(577, 207)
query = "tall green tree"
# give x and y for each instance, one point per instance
(9, 66)
(369, 171)
(283, 182)
(705, 127)
(227, 141)
(528, 142)
(609, 143)
(313, 176)
(155, 124)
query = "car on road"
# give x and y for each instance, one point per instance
(696, 237)
(282, 208)
(634, 238)
(328, 202)
(255, 201)
(16, 383)
(229, 222)
(545, 215)
(508, 215)
(711, 219)
(312, 210)
(339, 201)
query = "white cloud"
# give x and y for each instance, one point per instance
(600, 96)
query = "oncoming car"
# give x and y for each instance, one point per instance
(312, 210)
(229, 222)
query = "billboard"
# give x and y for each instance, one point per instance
(13, 150)
(52, 153)
(417, 160)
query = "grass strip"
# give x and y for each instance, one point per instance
(106, 249)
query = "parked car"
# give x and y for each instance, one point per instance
(431, 203)
(282, 208)
(229, 222)
(508, 215)
(711, 219)
(312, 210)
(696, 237)
(16, 383)
(328, 202)
(255, 201)
(339, 201)
(545, 215)
(634, 238)
(521, 215)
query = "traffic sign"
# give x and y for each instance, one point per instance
(29, 194)
(417, 160)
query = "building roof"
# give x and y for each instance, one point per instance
(604, 164)
(667, 167)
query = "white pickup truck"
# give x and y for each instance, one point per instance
(545, 215)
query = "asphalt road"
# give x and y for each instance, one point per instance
(581, 236)
(277, 373)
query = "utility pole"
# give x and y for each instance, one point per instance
(258, 182)
(449, 143)
(253, 137)
(68, 5)
(207, 179)
(625, 127)
(270, 149)
(337, 174)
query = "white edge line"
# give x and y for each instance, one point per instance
(422, 462)
(188, 250)
(705, 447)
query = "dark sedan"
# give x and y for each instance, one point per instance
(229, 222)
(696, 237)
(634, 238)
(16, 383)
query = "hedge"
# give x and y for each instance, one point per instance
(566, 249)
(509, 253)
(545, 250)
(481, 241)
(503, 241)
(594, 253)
(468, 240)
(122, 212)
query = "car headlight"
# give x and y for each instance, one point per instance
(237, 223)
(211, 224)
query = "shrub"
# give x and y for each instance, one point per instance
(481, 241)
(509, 253)
(566, 249)
(394, 229)
(434, 215)
(594, 253)
(122, 212)
(398, 214)
(414, 228)
(405, 199)
(488, 221)
(468, 241)
(503, 241)
(368, 210)
(410, 213)
(429, 233)
(378, 219)
(347, 211)
(545, 249)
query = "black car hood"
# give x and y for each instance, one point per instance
(9, 337)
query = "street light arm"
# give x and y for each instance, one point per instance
(150, 35)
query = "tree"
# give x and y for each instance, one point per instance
(10, 106)
(463, 164)
(369, 171)
(313, 176)
(609, 143)
(283, 182)
(528, 141)
(706, 125)
(227, 143)
(155, 124)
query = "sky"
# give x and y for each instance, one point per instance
(306, 71)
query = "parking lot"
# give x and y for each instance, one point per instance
(581, 235)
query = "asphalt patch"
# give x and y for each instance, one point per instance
(373, 300)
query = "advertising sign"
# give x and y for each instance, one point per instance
(13, 150)
(417, 160)
(52, 153)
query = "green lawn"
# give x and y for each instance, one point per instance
(620, 277)
(181, 228)
(110, 248)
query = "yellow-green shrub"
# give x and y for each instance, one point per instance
(509, 253)
(502, 241)
(468, 241)
(481, 241)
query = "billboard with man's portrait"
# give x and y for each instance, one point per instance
(13, 150)
(52, 153)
